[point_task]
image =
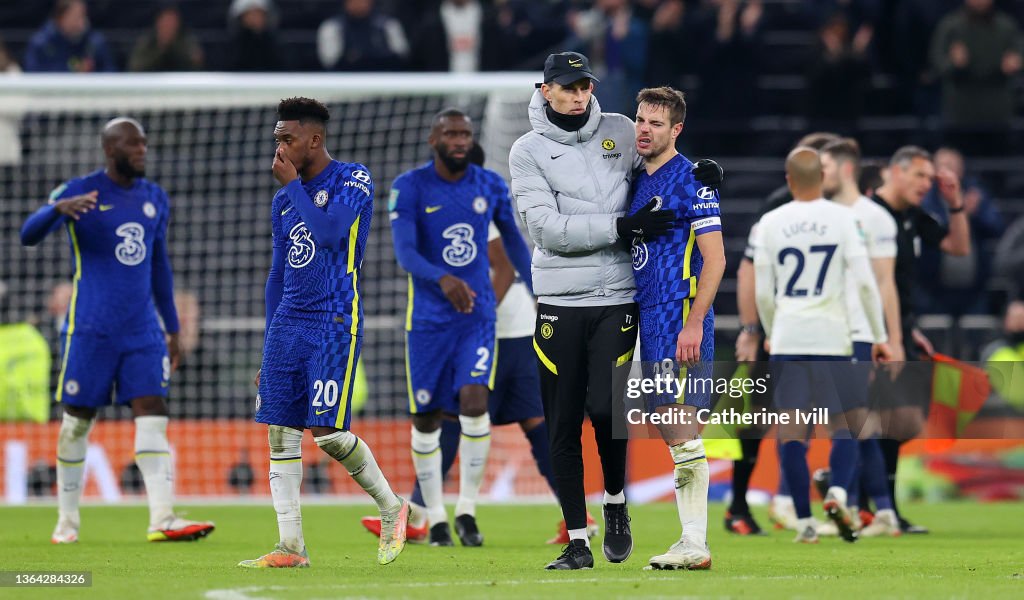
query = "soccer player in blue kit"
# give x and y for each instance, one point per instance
(677, 277)
(320, 220)
(111, 342)
(440, 214)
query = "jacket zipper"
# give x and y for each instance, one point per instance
(600, 193)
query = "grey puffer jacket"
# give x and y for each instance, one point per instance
(569, 188)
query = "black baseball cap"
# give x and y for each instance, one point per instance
(566, 67)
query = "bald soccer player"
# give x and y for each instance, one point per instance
(112, 345)
(804, 252)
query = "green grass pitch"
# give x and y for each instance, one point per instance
(975, 550)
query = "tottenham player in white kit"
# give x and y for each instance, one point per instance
(804, 252)
(840, 161)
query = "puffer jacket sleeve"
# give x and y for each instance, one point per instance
(548, 228)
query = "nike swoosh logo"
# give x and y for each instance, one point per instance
(477, 373)
(554, 156)
(320, 412)
(434, 209)
(106, 207)
(578, 63)
(285, 211)
(625, 329)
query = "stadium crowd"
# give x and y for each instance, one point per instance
(950, 57)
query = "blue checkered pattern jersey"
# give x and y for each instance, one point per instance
(666, 269)
(440, 227)
(321, 281)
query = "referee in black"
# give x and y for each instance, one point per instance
(571, 179)
(904, 398)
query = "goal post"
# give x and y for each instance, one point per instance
(211, 145)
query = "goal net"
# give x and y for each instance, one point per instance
(210, 146)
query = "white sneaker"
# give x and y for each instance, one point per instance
(807, 531)
(66, 532)
(683, 555)
(885, 523)
(782, 513)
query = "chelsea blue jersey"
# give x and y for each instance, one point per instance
(451, 220)
(112, 251)
(666, 269)
(321, 285)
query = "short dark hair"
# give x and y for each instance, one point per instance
(303, 110)
(905, 155)
(870, 175)
(448, 112)
(672, 99)
(817, 140)
(845, 150)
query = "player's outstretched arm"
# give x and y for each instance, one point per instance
(50, 217)
(515, 245)
(548, 228)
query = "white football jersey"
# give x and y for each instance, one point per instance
(804, 248)
(879, 229)
(516, 312)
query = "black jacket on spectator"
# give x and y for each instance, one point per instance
(255, 51)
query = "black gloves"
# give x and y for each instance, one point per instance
(709, 173)
(647, 223)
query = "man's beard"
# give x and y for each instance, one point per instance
(125, 167)
(830, 192)
(455, 165)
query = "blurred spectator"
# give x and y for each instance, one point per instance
(460, 36)
(839, 74)
(903, 51)
(955, 285)
(7, 62)
(254, 45)
(167, 46)
(976, 52)
(674, 32)
(728, 57)
(615, 40)
(67, 44)
(530, 31)
(1004, 360)
(1009, 263)
(858, 13)
(24, 371)
(361, 38)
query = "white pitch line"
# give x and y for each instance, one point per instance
(243, 592)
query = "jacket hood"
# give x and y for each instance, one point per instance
(542, 125)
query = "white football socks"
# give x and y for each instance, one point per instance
(619, 498)
(426, 459)
(153, 456)
(580, 534)
(72, 443)
(286, 484)
(358, 460)
(692, 478)
(474, 446)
